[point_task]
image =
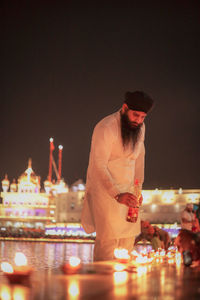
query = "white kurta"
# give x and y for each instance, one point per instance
(111, 171)
(189, 216)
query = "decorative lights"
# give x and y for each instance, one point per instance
(72, 266)
(20, 272)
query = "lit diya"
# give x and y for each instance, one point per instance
(122, 255)
(20, 272)
(72, 266)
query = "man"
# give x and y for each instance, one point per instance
(163, 236)
(188, 244)
(116, 160)
(148, 234)
(158, 237)
(187, 217)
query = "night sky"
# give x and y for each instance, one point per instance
(67, 64)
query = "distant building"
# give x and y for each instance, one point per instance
(24, 205)
(165, 206)
(69, 206)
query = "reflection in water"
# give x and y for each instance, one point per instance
(5, 293)
(45, 256)
(14, 293)
(141, 270)
(120, 277)
(73, 289)
(20, 293)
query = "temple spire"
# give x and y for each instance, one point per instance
(30, 163)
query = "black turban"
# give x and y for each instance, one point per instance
(138, 101)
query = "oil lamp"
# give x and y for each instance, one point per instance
(121, 255)
(20, 272)
(72, 266)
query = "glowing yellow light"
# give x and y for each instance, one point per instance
(156, 192)
(180, 191)
(73, 289)
(153, 207)
(178, 259)
(20, 259)
(193, 197)
(120, 277)
(143, 251)
(168, 196)
(141, 259)
(119, 267)
(19, 293)
(162, 252)
(172, 248)
(6, 267)
(141, 270)
(5, 293)
(169, 254)
(171, 261)
(147, 195)
(135, 253)
(121, 253)
(74, 261)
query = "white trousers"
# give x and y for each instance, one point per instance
(104, 249)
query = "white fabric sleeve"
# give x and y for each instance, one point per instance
(139, 166)
(140, 161)
(101, 147)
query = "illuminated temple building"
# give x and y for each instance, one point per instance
(23, 204)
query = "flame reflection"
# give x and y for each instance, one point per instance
(73, 289)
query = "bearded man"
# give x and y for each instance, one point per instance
(116, 160)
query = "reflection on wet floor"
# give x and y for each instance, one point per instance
(44, 256)
(48, 255)
(159, 280)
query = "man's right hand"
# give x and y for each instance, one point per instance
(127, 199)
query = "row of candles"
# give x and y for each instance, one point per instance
(21, 271)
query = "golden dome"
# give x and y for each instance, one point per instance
(29, 175)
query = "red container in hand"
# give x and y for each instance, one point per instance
(133, 211)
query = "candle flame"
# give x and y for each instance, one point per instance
(74, 261)
(20, 259)
(121, 253)
(6, 267)
(142, 259)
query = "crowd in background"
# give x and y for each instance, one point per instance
(160, 238)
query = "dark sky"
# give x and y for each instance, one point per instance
(67, 64)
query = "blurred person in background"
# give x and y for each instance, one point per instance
(187, 217)
(163, 236)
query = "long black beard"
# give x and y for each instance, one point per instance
(129, 133)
